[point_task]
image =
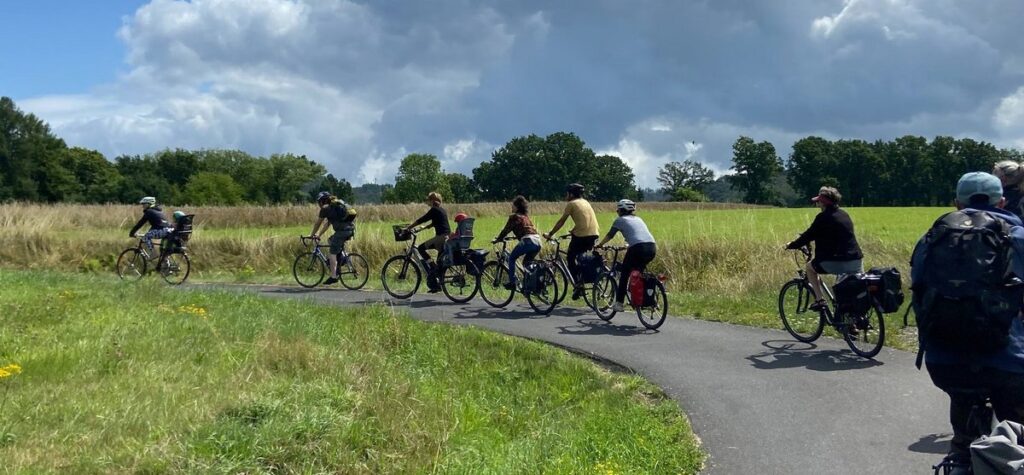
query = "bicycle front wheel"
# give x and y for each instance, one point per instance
(492, 285)
(795, 300)
(131, 264)
(308, 270)
(544, 297)
(459, 284)
(401, 277)
(174, 268)
(602, 296)
(865, 334)
(653, 314)
(354, 273)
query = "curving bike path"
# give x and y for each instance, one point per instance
(759, 401)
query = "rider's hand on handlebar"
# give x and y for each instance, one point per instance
(786, 247)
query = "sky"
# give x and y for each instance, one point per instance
(358, 85)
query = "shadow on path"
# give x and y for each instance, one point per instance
(793, 354)
(595, 326)
(932, 444)
(505, 313)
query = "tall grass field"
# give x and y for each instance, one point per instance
(101, 376)
(724, 263)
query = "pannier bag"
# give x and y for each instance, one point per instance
(967, 295)
(890, 294)
(636, 287)
(533, 279)
(852, 295)
(651, 283)
(590, 265)
(477, 257)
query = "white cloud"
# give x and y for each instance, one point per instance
(464, 154)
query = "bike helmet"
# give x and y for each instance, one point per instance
(626, 205)
(148, 200)
(574, 188)
(460, 217)
(323, 196)
(178, 215)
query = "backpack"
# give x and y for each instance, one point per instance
(348, 215)
(966, 295)
(890, 294)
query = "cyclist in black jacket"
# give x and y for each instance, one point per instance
(438, 219)
(159, 228)
(836, 250)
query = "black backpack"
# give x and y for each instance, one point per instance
(967, 296)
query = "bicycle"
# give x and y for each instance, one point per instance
(864, 333)
(652, 313)
(402, 274)
(981, 420)
(560, 266)
(310, 267)
(173, 262)
(538, 282)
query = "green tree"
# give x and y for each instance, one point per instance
(686, 174)
(291, 178)
(609, 179)
(810, 165)
(688, 194)
(96, 178)
(463, 188)
(30, 158)
(209, 188)
(755, 164)
(141, 179)
(418, 174)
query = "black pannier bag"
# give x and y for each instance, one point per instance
(852, 294)
(590, 265)
(650, 291)
(477, 257)
(890, 294)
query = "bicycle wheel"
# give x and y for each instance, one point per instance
(603, 296)
(563, 281)
(543, 297)
(653, 314)
(174, 268)
(308, 270)
(459, 284)
(865, 334)
(131, 265)
(354, 273)
(401, 277)
(800, 321)
(492, 285)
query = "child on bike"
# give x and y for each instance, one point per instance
(338, 214)
(438, 218)
(520, 225)
(159, 228)
(641, 250)
(584, 231)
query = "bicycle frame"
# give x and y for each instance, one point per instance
(559, 258)
(501, 257)
(318, 253)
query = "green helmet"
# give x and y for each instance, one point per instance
(178, 215)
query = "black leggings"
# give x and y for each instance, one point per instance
(637, 257)
(577, 246)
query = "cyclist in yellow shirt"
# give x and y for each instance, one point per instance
(584, 231)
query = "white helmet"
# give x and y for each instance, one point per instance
(148, 200)
(627, 205)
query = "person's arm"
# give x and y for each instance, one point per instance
(809, 235)
(316, 228)
(506, 229)
(426, 217)
(558, 225)
(608, 237)
(138, 225)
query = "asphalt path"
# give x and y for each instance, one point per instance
(759, 401)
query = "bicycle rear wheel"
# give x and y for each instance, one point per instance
(563, 280)
(459, 284)
(543, 297)
(800, 321)
(865, 334)
(354, 273)
(174, 268)
(492, 285)
(131, 264)
(653, 314)
(308, 270)
(401, 277)
(602, 296)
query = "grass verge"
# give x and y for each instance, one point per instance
(141, 378)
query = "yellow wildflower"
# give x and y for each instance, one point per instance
(9, 370)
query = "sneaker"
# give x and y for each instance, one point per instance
(331, 280)
(433, 290)
(818, 305)
(510, 286)
(577, 293)
(618, 307)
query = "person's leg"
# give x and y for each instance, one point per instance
(953, 379)
(812, 277)
(629, 264)
(517, 251)
(577, 246)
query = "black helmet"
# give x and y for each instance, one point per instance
(323, 196)
(574, 189)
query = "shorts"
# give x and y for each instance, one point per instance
(838, 267)
(337, 243)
